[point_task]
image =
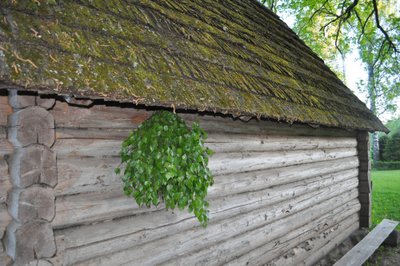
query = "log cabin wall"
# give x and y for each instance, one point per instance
(365, 186)
(282, 194)
(5, 182)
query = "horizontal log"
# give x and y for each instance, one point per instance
(315, 257)
(5, 181)
(103, 116)
(96, 174)
(304, 237)
(92, 207)
(83, 148)
(92, 133)
(225, 163)
(86, 175)
(78, 148)
(244, 182)
(245, 221)
(212, 123)
(315, 249)
(97, 116)
(5, 110)
(231, 237)
(240, 246)
(278, 144)
(219, 209)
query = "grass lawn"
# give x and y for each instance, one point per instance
(385, 196)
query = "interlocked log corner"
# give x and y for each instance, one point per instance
(33, 173)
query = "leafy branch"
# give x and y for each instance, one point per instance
(165, 161)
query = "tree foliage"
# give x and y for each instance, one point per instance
(332, 28)
(392, 148)
(164, 160)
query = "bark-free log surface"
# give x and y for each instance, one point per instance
(32, 125)
(278, 189)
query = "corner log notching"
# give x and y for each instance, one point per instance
(33, 171)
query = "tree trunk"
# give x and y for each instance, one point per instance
(372, 98)
(343, 57)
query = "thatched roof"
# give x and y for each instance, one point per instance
(231, 56)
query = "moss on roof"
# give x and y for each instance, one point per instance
(231, 56)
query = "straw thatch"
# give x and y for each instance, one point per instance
(231, 56)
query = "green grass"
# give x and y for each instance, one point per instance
(385, 196)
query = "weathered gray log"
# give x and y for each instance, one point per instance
(68, 131)
(269, 236)
(33, 203)
(97, 116)
(34, 240)
(5, 110)
(87, 175)
(260, 127)
(320, 246)
(33, 165)
(333, 222)
(102, 116)
(178, 221)
(32, 125)
(78, 209)
(314, 258)
(45, 102)
(250, 230)
(92, 133)
(93, 175)
(84, 148)
(127, 242)
(232, 226)
(5, 182)
(222, 163)
(39, 263)
(77, 148)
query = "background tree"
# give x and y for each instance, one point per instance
(392, 149)
(332, 28)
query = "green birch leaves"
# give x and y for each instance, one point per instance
(165, 161)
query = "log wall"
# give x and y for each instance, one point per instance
(282, 194)
(5, 182)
